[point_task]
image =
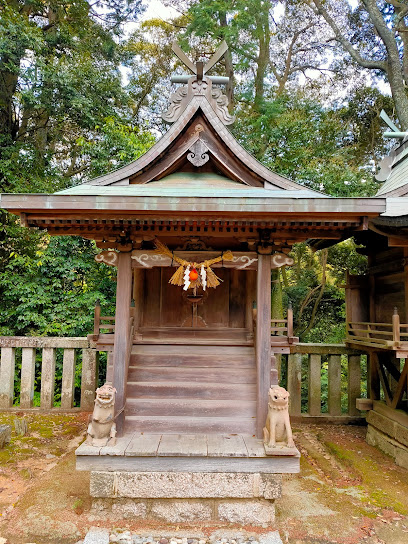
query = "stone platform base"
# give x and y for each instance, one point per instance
(256, 512)
(388, 431)
(176, 497)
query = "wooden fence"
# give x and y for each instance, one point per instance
(323, 380)
(46, 348)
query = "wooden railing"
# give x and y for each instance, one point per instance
(106, 324)
(383, 335)
(280, 327)
(102, 324)
(37, 357)
(324, 381)
(283, 327)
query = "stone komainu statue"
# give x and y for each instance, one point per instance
(277, 427)
(102, 427)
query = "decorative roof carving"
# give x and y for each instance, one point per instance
(221, 106)
(195, 87)
(199, 85)
(198, 155)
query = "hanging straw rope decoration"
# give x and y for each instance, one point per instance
(180, 276)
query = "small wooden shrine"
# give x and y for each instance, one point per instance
(194, 228)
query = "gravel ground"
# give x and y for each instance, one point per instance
(103, 536)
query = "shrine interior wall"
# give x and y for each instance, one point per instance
(166, 305)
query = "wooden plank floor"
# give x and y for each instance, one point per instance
(180, 445)
(185, 452)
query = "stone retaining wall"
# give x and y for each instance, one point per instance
(177, 497)
(388, 434)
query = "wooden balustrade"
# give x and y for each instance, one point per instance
(324, 381)
(283, 327)
(393, 335)
(28, 350)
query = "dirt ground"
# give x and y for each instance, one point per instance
(347, 491)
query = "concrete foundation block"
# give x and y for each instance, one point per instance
(270, 486)
(401, 458)
(251, 512)
(103, 484)
(388, 445)
(380, 422)
(185, 485)
(179, 511)
(401, 434)
(379, 440)
(129, 509)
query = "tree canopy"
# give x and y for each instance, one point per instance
(82, 86)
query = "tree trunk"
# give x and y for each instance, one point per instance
(263, 32)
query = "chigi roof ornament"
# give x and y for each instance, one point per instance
(395, 132)
(386, 165)
(199, 85)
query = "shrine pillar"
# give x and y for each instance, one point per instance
(263, 339)
(122, 346)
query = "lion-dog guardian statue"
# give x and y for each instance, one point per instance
(102, 427)
(277, 431)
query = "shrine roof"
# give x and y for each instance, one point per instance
(394, 172)
(190, 184)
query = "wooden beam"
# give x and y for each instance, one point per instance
(385, 384)
(263, 339)
(401, 387)
(374, 378)
(122, 338)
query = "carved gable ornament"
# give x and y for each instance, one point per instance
(199, 85)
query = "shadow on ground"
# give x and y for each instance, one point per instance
(348, 492)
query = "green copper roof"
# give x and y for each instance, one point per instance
(189, 184)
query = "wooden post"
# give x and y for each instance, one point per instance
(354, 383)
(27, 377)
(250, 299)
(90, 359)
(374, 376)
(396, 327)
(8, 363)
(68, 378)
(122, 335)
(263, 340)
(47, 378)
(109, 367)
(315, 384)
(334, 375)
(295, 383)
(97, 319)
(290, 324)
(138, 298)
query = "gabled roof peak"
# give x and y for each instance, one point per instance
(199, 84)
(180, 100)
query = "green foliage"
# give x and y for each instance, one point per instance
(59, 82)
(304, 285)
(116, 144)
(54, 291)
(309, 143)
